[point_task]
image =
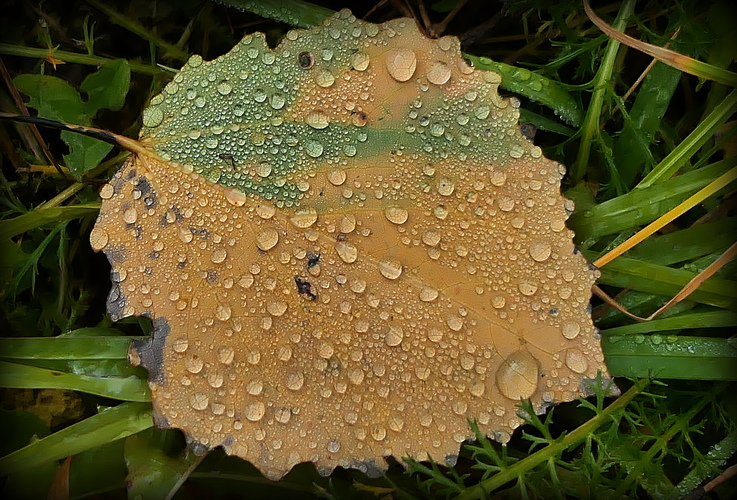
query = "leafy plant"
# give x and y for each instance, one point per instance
(636, 156)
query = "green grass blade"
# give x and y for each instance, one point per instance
(602, 82)
(65, 348)
(534, 87)
(686, 149)
(17, 376)
(42, 216)
(685, 358)
(662, 280)
(711, 319)
(75, 58)
(107, 426)
(294, 12)
(642, 206)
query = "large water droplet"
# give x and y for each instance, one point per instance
(267, 239)
(390, 268)
(396, 215)
(347, 252)
(393, 336)
(576, 360)
(401, 63)
(517, 377)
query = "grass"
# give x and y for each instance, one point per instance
(641, 140)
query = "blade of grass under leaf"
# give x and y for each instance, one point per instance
(670, 357)
(65, 348)
(42, 216)
(109, 425)
(711, 319)
(18, 376)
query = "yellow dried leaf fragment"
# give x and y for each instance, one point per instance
(347, 249)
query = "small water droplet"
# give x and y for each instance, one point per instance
(223, 312)
(360, 61)
(576, 360)
(226, 355)
(393, 336)
(324, 78)
(445, 186)
(317, 119)
(224, 88)
(218, 255)
(396, 215)
(431, 237)
(277, 307)
(428, 294)
(254, 387)
(313, 149)
(193, 364)
(304, 218)
(130, 216)
(439, 73)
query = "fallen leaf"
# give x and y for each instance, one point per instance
(347, 249)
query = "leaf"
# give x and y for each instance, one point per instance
(57, 100)
(107, 87)
(347, 249)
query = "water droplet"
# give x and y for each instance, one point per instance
(576, 360)
(152, 116)
(254, 387)
(431, 237)
(130, 216)
(439, 73)
(255, 411)
(235, 197)
(347, 252)
(295, 380)
(324, 78)
(428, 294)
(527, 287)
(180, 344)
(454, 322)
(98, 238)
(497, 177)
(396, 215)
(445, 186)
(263, 169)
(498, 301)
(333, 446)
(390, 268)
(401, 63)
(540, 251)
(317, 119)
(393, 336)
(360, 61)
(304, 218)
(571, 330)
(422, 372)
(477, 388)
(224, 88)
(313, 149)
(277, 307)
(218, 255)
(267, 239)
(282, 415)
(193, 364)
(355, 375)
(199, 401)
(378, 433)
(517, 377)
(223, 312)
(107, 191)
(336, 177)
(226, 355)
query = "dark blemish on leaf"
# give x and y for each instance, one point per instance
(305, 60)
(304, 287)
(554, 311)
(143, 186)
(116, 253)
(227, 157)
(115, 299)
(153, 255)
(201, 232)
(160, 421)
(151, 351)
(312, 259)
(211, 276)
(528, 130)
(228, 441)
(197, 448)
(182, 264)
(131, 174)
(341, 237)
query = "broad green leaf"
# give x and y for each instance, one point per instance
(107, 87)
